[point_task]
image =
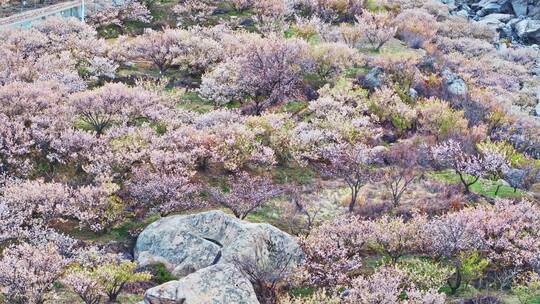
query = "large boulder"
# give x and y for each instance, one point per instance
(534, 11)
(455, 87)
(217, 284)
(486, 7)
(528, 30)
(520, 7)
(187, 243)
(496, 21)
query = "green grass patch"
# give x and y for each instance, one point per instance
(299, 175)
(304, 291)
(233, 105)
(160, 274)
(267, 213)
(194, 102)
(354, 72)
(292, 107)
(483, 187)
(119, 233)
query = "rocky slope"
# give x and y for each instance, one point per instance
(516, 20)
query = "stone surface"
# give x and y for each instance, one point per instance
(168, 245)
(187, 243)
(515, 177)
(455, 86)
(520, 7)
(486, 7)
(372, 79)
(498, 18)
(217, 284)
(528, 30)
(515, 20)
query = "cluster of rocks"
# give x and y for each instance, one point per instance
(517, 20)
(204, 251)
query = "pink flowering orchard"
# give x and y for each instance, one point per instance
(270, 152)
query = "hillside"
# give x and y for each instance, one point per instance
(273, 152)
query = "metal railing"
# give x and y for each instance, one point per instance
(27, 16)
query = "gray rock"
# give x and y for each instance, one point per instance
(202, 253)
(247, 22)
(528, 30)
(515, 177)
(486, 7)
(498, 17)
(534, 10)
(506, 31)
(520, 7)
(455, 86)
(450, 3)
(413, 93)
(187, 243)
(217, 284)
(220, 11)
(462, 13)
(495, 21)
(513, 22)
(502, 182)
(372, 80)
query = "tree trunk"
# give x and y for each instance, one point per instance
(497, 190)
(454, 286)
(352, 203)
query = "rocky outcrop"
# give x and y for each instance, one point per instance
(210, 246)
(187, 243)
(219, 284)
(528, 30)
(518, 20)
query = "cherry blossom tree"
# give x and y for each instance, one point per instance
(163, 189)
(234, 143)
(387, 285)
(110, 104)
(97, 206)
(331, 59)
(15, 147)
(377, 27)
(85, 286)
(452, 154)
(159, 47)
(96, 273)
(333, 251)
(510, 238)
(271, 15)
(501, 233)
(416, 27)
(28, 272)
(332, 10)
(269, 72)
(106, 13)
(403, 160)
(190, 50)
(245, 193)
(29, 204)
(350, 162)
(395, 237)
(190, 12)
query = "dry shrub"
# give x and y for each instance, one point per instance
(416, 27)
